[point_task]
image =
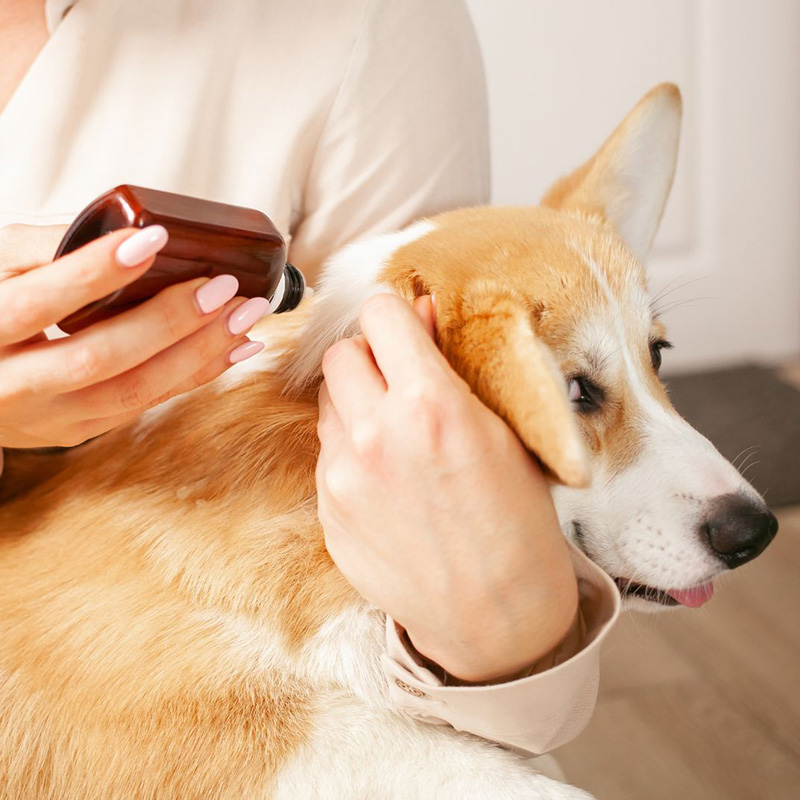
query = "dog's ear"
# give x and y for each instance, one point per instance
(488, 337)
(628, 180)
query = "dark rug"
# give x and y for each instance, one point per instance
(747, 407)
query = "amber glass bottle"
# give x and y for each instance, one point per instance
(205, 239)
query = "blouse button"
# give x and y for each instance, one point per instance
(410, 689)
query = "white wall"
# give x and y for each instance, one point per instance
(563, 73)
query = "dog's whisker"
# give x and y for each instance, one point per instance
(752, 454)
(748, 467)
(744, 465)
(670, 288)
(667, 290)
(741, 453)
(679, 301)
(687, 303)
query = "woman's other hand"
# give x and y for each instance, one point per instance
(432, 508)
(64, 391)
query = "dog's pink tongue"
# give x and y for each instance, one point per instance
(694, 597)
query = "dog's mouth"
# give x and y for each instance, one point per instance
(693, 597)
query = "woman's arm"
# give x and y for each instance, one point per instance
(436, 513)
(418, 477)
(407, 134)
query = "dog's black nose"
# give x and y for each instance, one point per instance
(738, 530)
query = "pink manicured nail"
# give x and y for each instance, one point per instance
(247, 314)
(141, 245)
(244, 351)
(210, 296)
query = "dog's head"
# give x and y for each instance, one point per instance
(545, 312)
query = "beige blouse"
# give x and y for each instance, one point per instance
(340, 120)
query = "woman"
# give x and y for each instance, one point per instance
(339, 121)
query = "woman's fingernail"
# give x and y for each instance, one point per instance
(433, 300)
(141, 245)
(247, 314)
(244, 351)
(214, 294)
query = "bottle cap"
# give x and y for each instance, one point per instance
(290, 291)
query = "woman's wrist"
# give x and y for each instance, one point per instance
(497, 650)
(570, 644)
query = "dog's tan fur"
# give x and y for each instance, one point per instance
(116, 678)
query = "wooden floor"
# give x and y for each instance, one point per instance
(704, 704)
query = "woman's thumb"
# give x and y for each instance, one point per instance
(425, 309)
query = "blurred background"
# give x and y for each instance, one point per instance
(696, 704)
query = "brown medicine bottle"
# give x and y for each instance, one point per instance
(205, 239)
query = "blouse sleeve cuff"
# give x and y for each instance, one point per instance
(538, 712)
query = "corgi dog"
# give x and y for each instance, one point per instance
(172, 625)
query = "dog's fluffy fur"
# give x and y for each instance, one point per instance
(172, 624)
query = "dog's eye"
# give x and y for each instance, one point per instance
(655, 352)
(584, 393)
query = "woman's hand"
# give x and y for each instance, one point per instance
(64, 391)
(432, 508)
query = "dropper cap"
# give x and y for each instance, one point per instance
(289, 292)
